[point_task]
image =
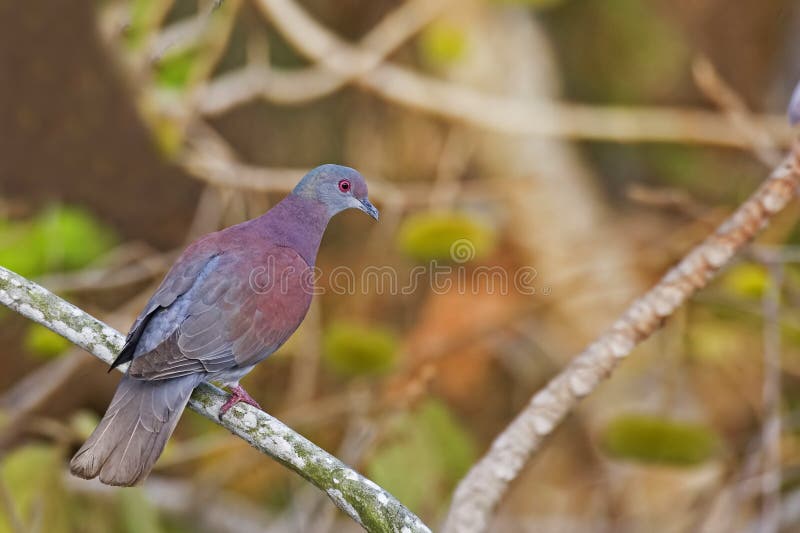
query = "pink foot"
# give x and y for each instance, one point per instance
(238, 394)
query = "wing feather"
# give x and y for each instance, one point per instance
(178, 281)
(228, 323)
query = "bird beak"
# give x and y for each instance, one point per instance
(368, 208)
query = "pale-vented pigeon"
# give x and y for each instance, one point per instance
(230, 300)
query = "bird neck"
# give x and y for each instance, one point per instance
(298, 223)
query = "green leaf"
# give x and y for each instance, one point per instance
(59, 238)
(426, 452)
(652, 439)
(407, 469)
(453, 446)
(72, 238)
(21, 250)
(31, 474)
(144, 15)
(138, 514)
(442, 43)
(746, 280)
(44, 343)
(445, 236)
(83, 423)
(168, 134)
(716, 342)
(175, 71)
(354, 349)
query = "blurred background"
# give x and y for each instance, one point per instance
(590, 144)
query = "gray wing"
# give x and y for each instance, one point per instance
(183, 275)
(225, 322)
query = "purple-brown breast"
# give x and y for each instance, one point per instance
(231, 299)
(238, 314)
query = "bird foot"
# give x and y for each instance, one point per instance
(238, 394)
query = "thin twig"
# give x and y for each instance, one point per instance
(361, 499)
(209, 157)
(457, 102)
(103, 278)
(311, 83)
(479, 492)
(732, 104)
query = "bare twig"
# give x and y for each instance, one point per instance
(454, 101)
(486, 483)
(361, 499)
(728, 100)
(211, 159)
(32, 392)
(317, 81)
(145, 267)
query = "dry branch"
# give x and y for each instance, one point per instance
(732, 104)
(479, 492)
(317, 81)
(361, 499)
(404, 86)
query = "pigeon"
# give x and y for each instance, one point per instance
(230, 300)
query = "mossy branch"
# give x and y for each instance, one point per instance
(364, 501)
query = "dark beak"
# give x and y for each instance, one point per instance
(369, 209)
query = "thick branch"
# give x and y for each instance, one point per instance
(364, 501)
(479, 492)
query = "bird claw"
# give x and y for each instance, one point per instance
(238, 394)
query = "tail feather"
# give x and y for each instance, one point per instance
(134, 430)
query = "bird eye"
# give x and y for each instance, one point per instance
(344, 185)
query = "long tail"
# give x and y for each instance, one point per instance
(134, 430)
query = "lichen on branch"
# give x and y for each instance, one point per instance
(364, 501)
(479, 492)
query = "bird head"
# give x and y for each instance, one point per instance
(337, 188)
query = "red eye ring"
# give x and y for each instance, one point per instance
(344, 186)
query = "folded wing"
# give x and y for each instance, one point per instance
(232, 317)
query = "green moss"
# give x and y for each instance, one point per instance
(442, 43)
(445, 236)
(652, 439)
(204, 396)
(355, 349)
